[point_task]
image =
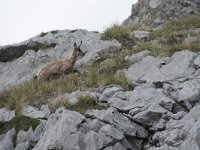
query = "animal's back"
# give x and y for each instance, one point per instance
(52, 70)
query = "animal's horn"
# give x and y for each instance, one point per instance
(80, 44)
(75, 45)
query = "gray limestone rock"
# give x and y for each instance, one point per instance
(6, 115)
(37, 133)
(154, 3)
(23, 146)
(60, 131)
(140, 35)
(119, 121)
(152, 69)
(187, 93)
(138, 57)
(6, 140)
(148, 106)
(109, 92)
(181, 133)
(197, 62)
(193, 139)
(24, 136)
(34, 112)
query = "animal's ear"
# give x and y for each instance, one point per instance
(80, 44)
(75, 45)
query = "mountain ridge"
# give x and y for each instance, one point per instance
(157, 12)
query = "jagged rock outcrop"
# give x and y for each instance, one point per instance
(19, 64)
(157, 12)
(6, 140)
(98, 130)
(181, 66)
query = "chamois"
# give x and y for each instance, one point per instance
(59, 67)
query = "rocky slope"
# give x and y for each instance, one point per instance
(157, 12)
(162, 112)
(21, 61)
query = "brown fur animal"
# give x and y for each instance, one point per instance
(60, 67)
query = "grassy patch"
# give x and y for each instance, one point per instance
(37, 93)
(119, 33)
(56, 103)
(47, 46)
(164, 50)
(19, 123)
(175, 31)
(184, 23)
(170, 38)
(43, 34)
(54, 32)
(84, 103)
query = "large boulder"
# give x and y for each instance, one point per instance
(119, 121)
(46, 48)
(61, 131)
(149, 106)
(153, 69)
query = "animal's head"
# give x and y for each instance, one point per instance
(78, 50)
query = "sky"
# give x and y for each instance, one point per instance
(23, 19)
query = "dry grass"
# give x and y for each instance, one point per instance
(56, 103)
(175, 31)
(37, 93)
(164, 50)
(120, 33)
(84, 102)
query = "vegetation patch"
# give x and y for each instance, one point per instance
(37, 93)
(56, 103)
(119, 33)
(47, 46)
(19, 123)
(175, 31)
(85, 102)
(54, 32)
(43, 34)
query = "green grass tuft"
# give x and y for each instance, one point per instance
(119, 33)
(85, 102)
(175, 31)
